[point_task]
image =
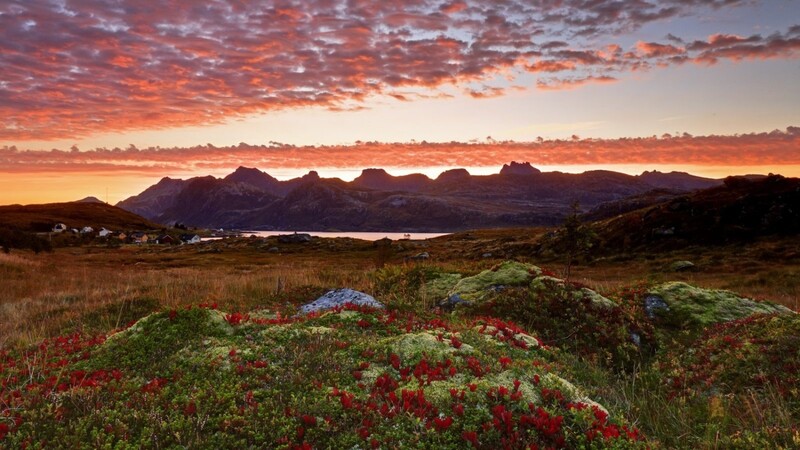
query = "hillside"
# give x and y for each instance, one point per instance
(741, 210)
(41, 218)
(520, 195)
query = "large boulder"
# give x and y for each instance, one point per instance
(681, 304)
(340, 297)
(506, 274)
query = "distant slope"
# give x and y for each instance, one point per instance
(41, 218)
(520, 195)
(615, 208)
(741, 210)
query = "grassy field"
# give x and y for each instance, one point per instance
(96, 290)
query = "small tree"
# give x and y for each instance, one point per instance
(574, 238)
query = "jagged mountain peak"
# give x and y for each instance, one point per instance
(515, 168)
(253, 177)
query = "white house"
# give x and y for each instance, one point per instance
(59, 228)
(87, 230)
(190, 238)
(103, 232)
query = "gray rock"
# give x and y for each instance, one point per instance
(682, 266)
(273, 250)
(296, 238)
(421, 256)
(340, 297)
(486, 255)
(664, 231)
(636, 339)
(653, 304)
(453, 301)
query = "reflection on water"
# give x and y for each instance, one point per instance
(365, 235)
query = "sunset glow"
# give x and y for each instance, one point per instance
(100, 96)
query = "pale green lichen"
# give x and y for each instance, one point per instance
(691, 305)
(411, 347)
(597, 299)
(509, 273)
(570, 392)
(546, 286)
(489, 333)
(438, 288)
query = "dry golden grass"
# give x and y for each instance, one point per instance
(98, 289)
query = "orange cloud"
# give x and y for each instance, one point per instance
(77, 68)
(775, 148)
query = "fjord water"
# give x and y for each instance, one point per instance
(365, 235)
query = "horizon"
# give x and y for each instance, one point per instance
(349, 175)
(95, 98)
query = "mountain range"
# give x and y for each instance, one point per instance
(520, 195)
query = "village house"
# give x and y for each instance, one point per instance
(165, 239)
(87, 230)
(104, 232)
(190, 238)
(59, 228)
(138, 237)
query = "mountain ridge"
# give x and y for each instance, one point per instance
(519, 195)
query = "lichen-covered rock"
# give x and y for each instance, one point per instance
(509, 273)
(439, 287)
(340, 297)
(550, 286)
(682, 266)
(415, 346)
(693, 306)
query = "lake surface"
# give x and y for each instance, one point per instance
(365, 235)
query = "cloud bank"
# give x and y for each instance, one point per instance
(776, 148)
(74, 68)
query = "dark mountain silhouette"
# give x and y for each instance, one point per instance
(740, 210)
(519, 195)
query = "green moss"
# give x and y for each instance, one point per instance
(438, 288)
(694, 306)
(509, 273)
(411, 347)
(549, 286)
(149, 345)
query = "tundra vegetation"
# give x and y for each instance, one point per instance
(202, 346)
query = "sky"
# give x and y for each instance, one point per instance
(105, 97)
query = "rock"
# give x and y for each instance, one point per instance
(273, 250)
(340, 297)
(682, 266)
(421, 256)
(509, 273)
(653, 304)
(452, 302)
(664, 231)
(694, 306)
(547, 286)
(439, 287)
(296, 238)
(486, 255)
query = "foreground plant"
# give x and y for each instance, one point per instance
(349, 378)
